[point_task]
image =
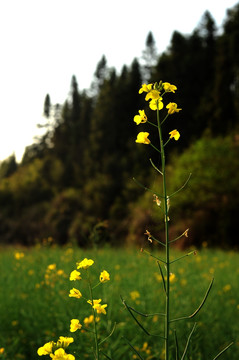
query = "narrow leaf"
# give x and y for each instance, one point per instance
(136, 352)
(155, 167)
(183, 256)
(145, 188)
(137, 321)
(176, 345)
(189, 337)
(101, 342)
(181, 188)
(161, 272)
(221, 352)
(200, 306)
(107, 357)
(145, 315)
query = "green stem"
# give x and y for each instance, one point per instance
(167, 283)
(95, 325)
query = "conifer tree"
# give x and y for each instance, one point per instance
(149, 57)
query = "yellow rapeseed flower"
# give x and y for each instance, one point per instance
(19, 255)
(45, 349)
(227, 288)
(51, 267)
(172, 108)
(75, 293)
(141, 118)
(145, 88)
(60, 354)
(156, 104)
(75, 275)
(142, 138)
(134, 295)
(90, 319)
(169, 87)
(84, 264)
(2, 350)
(75, 325)
(104, 276)
(172, 277)
(64, 342)
(100, 309)
(174, 134)
(153, 95)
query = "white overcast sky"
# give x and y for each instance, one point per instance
(44, 42)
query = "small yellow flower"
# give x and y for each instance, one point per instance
(51, 267)
(134, 295)
(75, 275)
(100, 309)
(145, 88)
(75, 293)
(104, 276)
(45, 349)
(172, 108)
(156, 104)
(60, 354)
(19, 255)
(169, 87)
(174, 134)
(94, 301)
(153, 95)
(227, 288)
(88, 320)
(142, 138)
(141, 118)
(172, 277)
(2, 350)
(64, 341)
(84, 264)
(75, 325)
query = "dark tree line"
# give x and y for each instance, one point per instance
(75, 182)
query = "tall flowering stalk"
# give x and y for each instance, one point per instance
(155, 94)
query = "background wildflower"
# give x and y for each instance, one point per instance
(60, 354)
(84, 264)
(75, 275)
(75, 325)
(75, 293)
(104, 276)
(46, 349)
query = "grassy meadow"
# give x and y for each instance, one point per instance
(35, 306)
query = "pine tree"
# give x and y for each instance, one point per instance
(149, 58)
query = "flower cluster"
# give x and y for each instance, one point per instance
(154, 94)
(96, 305)
(56, 350)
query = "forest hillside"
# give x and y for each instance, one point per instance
(75, 182)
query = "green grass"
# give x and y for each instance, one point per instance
(35, 309)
